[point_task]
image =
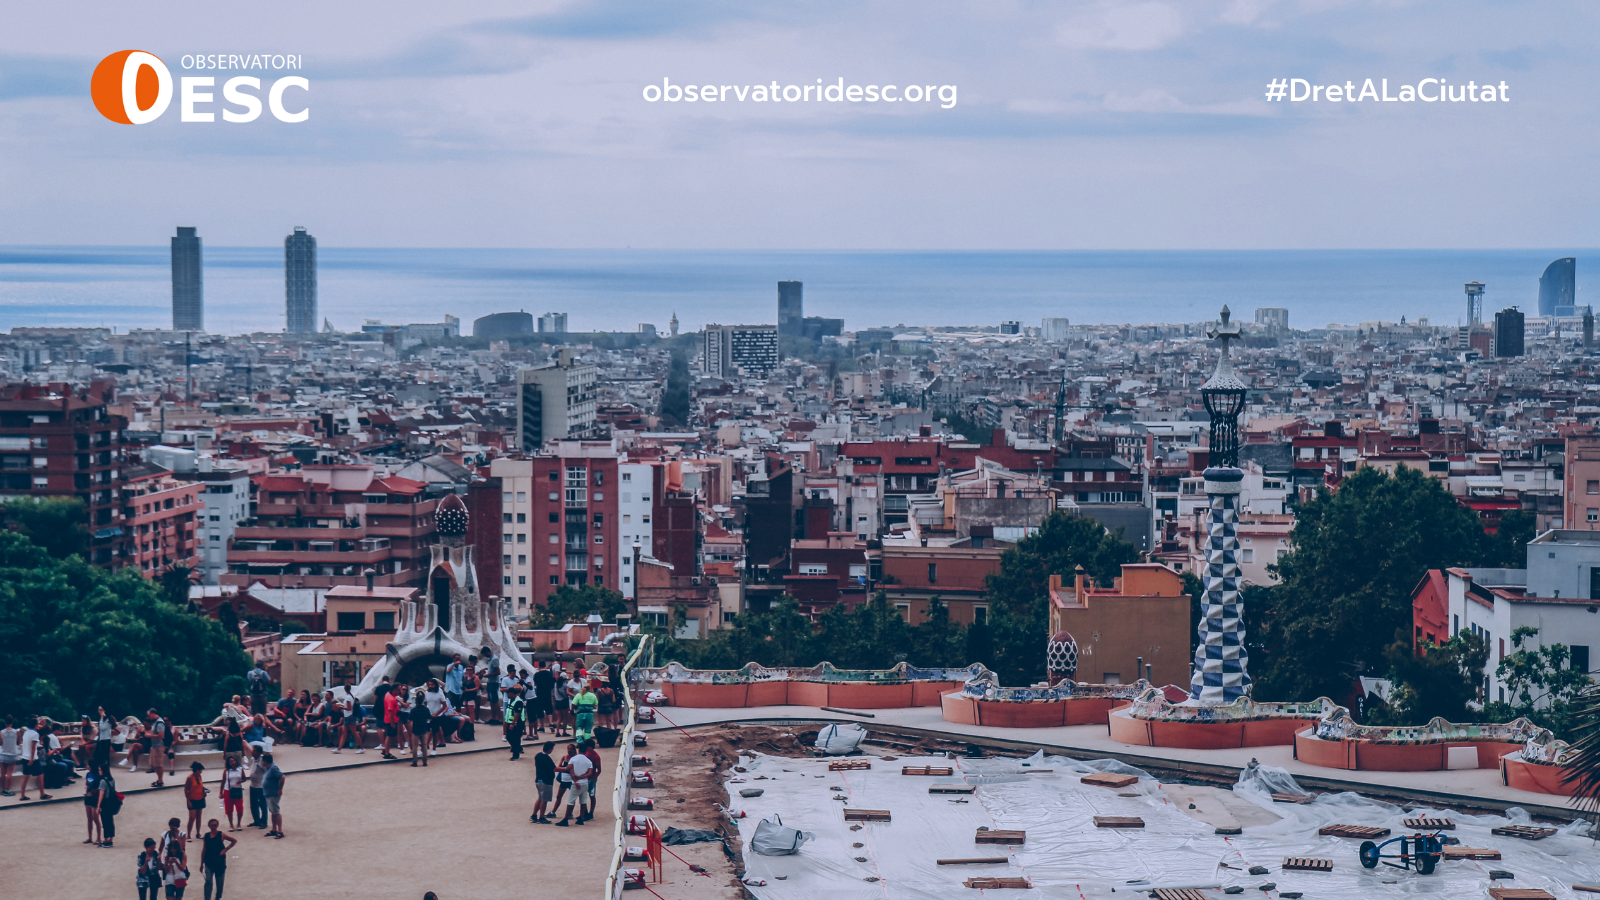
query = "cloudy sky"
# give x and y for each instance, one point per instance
(1103, 124)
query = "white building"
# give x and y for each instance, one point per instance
(226, 498)
(1053, 328)
(633, 511)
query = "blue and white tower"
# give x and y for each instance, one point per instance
(1221, 664)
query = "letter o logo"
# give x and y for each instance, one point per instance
(131, 87)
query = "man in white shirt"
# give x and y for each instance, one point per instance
(33, 760)
(579, 766)
(344, 697)
(433, 697)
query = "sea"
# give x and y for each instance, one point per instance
(619, 290)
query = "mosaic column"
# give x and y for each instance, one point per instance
(1221, 665)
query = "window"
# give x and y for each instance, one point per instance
(507, 559)
(555, 518)
(1593, 515)
(626, 518)
(522, 518)
(506, 517)
(645, 519)
(506, 497)
(599, 518)
(1519, 477)
(522, 496)
(522, 537)
(1580, 657)
(352, 621)
(1594, 583)
(555, 579)
(522, 579)
(627, 497)
(627, 477)
(1248, 556)
(383, 621)
(555, 560)
(599, 539)
(507, 537)
(555, 475)
(555, 538)
(522, 601)
(813, 568)
(599, 478)
(980, 615)
(933, 573)
(599, 496)
(508, 581)
(1455, 625)
(1111, 678)
(555, 496)
(1593, 487)
(904, 609)
(216, 537)
(522, 559)
(216, 518)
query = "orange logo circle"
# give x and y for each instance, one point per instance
(131, 87)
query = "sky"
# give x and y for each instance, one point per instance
(1132, 124)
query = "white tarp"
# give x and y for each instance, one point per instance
(1066, 856)
(838, 739)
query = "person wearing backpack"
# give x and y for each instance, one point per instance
(194, 795)
(110, 804)
(148, 879)
(259, 682)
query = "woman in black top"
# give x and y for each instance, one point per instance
(109, 805)
(421, 722)
(233, 742)
(214, 857)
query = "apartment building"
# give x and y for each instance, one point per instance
(559, 520)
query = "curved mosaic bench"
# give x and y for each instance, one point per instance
(900, 687)
(1337, 742)
(1540, 766)
(1152, 720)
(1068, 703)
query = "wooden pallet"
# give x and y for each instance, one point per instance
(1306, 864)
(847, 765)
(1431, 824)
(974, 861)
(944, 771)
(1178, 894)
(1293, 798)
(1118, 822)
(996, 883)
(952, 788)
(1353, 831)
(1587, 888)
(1001, 837)
(1520, 894)
(1470, 853)
(866, 815)
(1526, 832)
(1109, 779)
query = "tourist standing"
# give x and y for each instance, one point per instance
(10, 755)
(104, 727)
(544, 776)
(420, 726)
(491, 683)
(148, 881)
(593, 756)
(453, 680)
(194, 793)
(583, 708)
(233, 742)
(174, 842)
(437, 703)
(577, 766)
(561, 701)
(91, 805)
(469, 689)
(390, 705)
(33, 759)
(176, 876)
(513, 722)
(350, 717)
(232, 789)
(544, 688)
(159, 732)
(258, 797)
(259, 682)
(214, 857)
(110, 805)
(272, 788)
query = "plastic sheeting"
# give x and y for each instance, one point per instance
(837, 740)
(773, 838)
(1066, 856)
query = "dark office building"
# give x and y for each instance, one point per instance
(818, 327)
(502, 324)
(1508, 332)
(1558, 288)
(791, 308)
(188, 298)
(300, 282)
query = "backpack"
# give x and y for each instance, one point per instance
(259, 681)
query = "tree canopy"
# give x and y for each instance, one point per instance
(54, 524)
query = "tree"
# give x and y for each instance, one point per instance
(74, 636)
(1544, 687)
(1346, 586)
(1508, 546)
(228, 617)
(175, 582)
(56, 525)
(574, 604)
(1440, 682)
(675, 398)
(1019, 593)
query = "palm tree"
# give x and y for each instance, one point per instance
(1583, 766)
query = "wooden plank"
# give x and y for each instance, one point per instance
(1520, 894)
(1292, 798)
(1526, 832)
(1109, 779)
(1352, 831)
(1306, 864)
(1001, 837)
(847, 765)
(945, 771)
(1431, 824)
(1470, 853)
(952, 788)
(1118, 822)
(866, 815)
(974, 861)
(849, 712)
(1587, 888)
(1178, 894)
(996, 883)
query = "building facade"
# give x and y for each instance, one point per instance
(1508, 331)
(559, 521)
(791, 308)
(1054, 328)
(634, 503)
(188, 296)
(1558, 288)
(556, 402)
(160, 514)
(730, 349)
(553, 323)
(300, 282)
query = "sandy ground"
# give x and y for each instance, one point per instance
(458, 827)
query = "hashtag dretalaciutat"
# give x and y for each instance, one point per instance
(1428, 90)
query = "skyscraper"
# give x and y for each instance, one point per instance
(1558, 287)
(553, 323)
(300, 281)
(730, 348)
(1508, 330)
(188, 298)
(556, 402)
(791, 308)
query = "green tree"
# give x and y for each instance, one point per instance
(1346, 586)
(1544, 687)
(938, 642)
(574, 604)
(175, 583)
(1440, 681)
(675, 398)
(73, 636)
(56, 525)
(1019, 593)
(228, 617)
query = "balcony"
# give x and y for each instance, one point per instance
(302, 534)
(320, 557)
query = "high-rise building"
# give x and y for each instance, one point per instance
(188, 297)
(1474, 302)
(1508, 330)
(553, 323)
(502, 324)
(556, 402)
(300, 281)
(1011, 326)
(560, 524)
(791, 308)
(1274, 318)
(1053, 328)
(1558, 287)
(729, 348)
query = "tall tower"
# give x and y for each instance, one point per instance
(1221, 663)
(300, 282)
(674, 323)
(791, 308)
(1474, 302)
(188, 298)
(1558, 290)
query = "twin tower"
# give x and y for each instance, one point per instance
(299, 282)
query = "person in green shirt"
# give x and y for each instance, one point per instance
(513, 720)
(583, 706)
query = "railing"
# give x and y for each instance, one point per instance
(624, 774)
(754, 672)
